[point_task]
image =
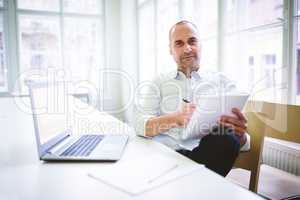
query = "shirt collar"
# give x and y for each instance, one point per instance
(181, 76)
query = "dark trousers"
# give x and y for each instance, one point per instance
(216, 152)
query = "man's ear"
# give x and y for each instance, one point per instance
(170, 49)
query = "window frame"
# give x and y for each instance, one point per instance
(280, 23)
(12, 41)
(155, 5)
(4, 11)
(288, 41)
(140, 6)
(293, 17)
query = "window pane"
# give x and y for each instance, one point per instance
(82, 46)
(208, 26)
(39, 42)
(3, 69)
(231, 15)
(168, 16)
(82, 6)
(250, 13)
(254, 61)
(142, 1)
(209, 54)
(45, 5)
(197, 11)
(269, 11)
(146, 42)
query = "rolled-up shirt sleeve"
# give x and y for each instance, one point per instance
(147, 105)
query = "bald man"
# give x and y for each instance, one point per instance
(162, 115)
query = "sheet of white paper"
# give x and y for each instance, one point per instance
(208, 111)
(144, 173)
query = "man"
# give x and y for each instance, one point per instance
(165, 109)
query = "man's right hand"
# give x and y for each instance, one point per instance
(163, 123)
(184, 115)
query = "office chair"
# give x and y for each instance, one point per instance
(274, 120)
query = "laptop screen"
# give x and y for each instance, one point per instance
(51, 111)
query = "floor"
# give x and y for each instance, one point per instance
(273, 183)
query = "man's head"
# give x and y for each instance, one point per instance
(185, 46)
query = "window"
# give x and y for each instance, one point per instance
(168, 11)
(44, 5)
(81, 37)
(208, 28)
(155, 19)
(147, 59)
(242, 38)
(39, 42)
(3, 65)
(297, 49)
(82, 6)
(60, 34)
(252, 47)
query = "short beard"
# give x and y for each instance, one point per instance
(188, 70)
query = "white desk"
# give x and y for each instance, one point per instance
(23, 176)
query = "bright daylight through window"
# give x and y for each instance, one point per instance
(67, 37)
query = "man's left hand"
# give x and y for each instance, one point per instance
(238, 123)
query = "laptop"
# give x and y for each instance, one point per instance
(52, 117)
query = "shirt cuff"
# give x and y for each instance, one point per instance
(246, 146)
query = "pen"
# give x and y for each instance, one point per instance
(162, 174)
(186, 101)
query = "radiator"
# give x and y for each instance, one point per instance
(282, 155)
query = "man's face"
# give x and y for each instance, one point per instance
(185, 47)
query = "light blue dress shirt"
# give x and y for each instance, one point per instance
(164, 95)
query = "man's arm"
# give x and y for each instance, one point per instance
(160, 124)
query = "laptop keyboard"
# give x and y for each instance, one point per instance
(83, 146)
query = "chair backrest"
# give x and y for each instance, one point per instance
(275, 120)
(282, 121)
(250, 160)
